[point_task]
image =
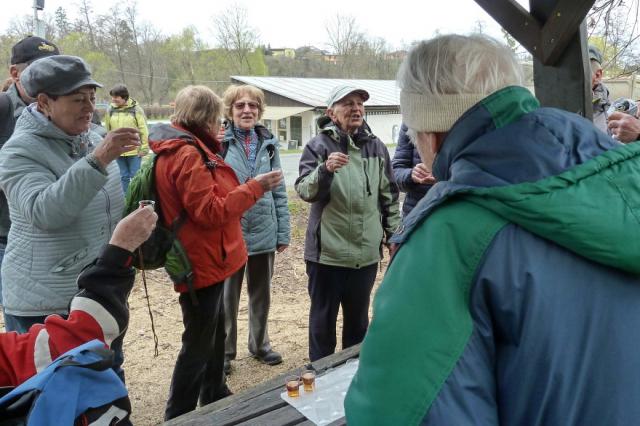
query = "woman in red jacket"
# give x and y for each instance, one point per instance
(214, 202)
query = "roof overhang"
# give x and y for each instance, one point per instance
(278, 112)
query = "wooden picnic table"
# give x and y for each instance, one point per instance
(262, 404)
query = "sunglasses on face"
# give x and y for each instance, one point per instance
(242, 105)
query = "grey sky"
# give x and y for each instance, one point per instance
(293, 23)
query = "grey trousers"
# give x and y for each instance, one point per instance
(259, 270)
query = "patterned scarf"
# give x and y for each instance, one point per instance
(249, 140)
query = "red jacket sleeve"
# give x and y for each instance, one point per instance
(212, 198)
(98, 311)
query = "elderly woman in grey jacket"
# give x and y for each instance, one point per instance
(62, 187)
(250, 150)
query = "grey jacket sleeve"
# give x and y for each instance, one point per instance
(45, 200)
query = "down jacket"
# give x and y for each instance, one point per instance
(63, 212)
(513, 298)
(213, 199)
(265, 225)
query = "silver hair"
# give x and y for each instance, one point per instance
(457, 64)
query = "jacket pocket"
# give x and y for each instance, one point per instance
(71, 260)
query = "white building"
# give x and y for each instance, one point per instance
(294, 105)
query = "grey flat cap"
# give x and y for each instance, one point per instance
(340, 92)
(56, 75)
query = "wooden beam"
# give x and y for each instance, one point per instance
(544, 35)
(560, 27)
(516, 20)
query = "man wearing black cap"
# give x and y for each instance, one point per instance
(12, 102)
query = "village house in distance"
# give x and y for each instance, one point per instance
(294, 105)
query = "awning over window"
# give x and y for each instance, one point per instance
(277, 112)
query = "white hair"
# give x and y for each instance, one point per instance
(456, 64)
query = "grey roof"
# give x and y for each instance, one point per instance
(315, 91)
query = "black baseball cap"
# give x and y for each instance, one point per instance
(31, 48)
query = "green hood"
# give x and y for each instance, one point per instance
(592, 209)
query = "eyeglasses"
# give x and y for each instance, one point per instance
(242, 105)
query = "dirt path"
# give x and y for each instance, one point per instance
(148, 377)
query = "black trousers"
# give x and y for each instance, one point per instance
(329, 288)
(199, 374)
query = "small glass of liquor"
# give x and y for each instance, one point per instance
(309, 380)
(144, 203)
(293, 386)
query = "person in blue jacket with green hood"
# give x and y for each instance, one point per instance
(513, 296)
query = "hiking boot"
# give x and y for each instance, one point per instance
(227, 366)
(269, 357)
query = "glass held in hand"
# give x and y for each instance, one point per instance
(144, 203)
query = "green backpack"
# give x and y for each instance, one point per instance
(162, 248)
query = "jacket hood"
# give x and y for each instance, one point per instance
(262, 132)
(546, 170)
(18, 103)
(131, 103)
(329, 128)
(33, 123)
(165, 137)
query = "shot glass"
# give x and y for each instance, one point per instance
(309, 380)
(145, 203)
(293, 386)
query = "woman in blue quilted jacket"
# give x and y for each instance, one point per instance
(251, 149)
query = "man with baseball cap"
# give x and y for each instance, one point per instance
(345, 173)
(600, 100)
(12, 102)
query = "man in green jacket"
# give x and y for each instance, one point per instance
(124, 111)
(345, 172)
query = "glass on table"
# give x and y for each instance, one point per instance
(292, 383)
(309, 380)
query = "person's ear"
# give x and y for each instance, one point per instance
(44, 104)
(599, 74)
(329, 113)
(14, 73)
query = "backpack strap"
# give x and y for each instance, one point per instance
(130, 110)
(225, 149)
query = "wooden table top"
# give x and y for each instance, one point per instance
(262, 405)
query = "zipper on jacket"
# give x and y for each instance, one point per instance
(108, 205)
(366, 177)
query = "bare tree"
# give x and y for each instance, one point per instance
(614, 27)
(345, 40)
(86, 12)
(235, 35)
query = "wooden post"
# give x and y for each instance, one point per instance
(565, 84)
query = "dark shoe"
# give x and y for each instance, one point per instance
(227, 366)
(270, 357)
